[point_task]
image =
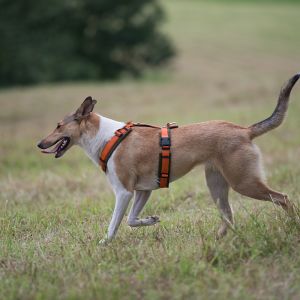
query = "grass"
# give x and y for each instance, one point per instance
(232, 60)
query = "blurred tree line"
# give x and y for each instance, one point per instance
(54, 40)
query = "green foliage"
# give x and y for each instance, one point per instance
(57, 40)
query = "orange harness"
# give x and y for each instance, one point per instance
(165, 155)
(113, 143)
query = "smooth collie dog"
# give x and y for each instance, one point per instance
(230, 157)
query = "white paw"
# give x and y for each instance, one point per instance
(104, 242)
(143, 222)
(151, 220)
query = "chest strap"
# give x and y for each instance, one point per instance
(113, 143)
(165, 155)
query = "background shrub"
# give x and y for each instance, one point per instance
(58, 40)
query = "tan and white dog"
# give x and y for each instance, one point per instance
(230, 157)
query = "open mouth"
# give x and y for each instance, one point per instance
(59, 147)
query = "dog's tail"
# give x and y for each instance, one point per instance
(279, 113)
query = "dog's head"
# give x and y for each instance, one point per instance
(67, 131)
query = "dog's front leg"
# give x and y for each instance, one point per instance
(141, 197)
(122, 200)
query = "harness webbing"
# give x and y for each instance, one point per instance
(164, 157)
(113, 143)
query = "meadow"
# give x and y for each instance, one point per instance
(232, 59)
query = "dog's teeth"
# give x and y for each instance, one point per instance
(61, 147)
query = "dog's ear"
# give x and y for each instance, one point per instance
(85, 108)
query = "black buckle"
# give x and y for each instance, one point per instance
(165, 142)
(125, 130)
(119, 133)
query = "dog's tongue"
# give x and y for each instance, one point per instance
(53, 150)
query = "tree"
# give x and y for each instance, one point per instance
(57, 40)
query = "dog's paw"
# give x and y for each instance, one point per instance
(104, 242)
(151, 220)
(148, 221)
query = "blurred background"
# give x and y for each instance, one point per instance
(52, 41)
(148, 61)
(153, 62)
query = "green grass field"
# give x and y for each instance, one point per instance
(232, 59)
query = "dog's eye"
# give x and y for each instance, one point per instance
(58, 126)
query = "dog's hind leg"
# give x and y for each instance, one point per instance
(260, 191)
(219, 189)
(244, 172)
(141, 198)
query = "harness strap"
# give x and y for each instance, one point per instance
(111, 146)
(165, 155)
(145, 125)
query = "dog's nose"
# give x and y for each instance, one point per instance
(40, 145)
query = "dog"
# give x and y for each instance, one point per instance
(230, 157)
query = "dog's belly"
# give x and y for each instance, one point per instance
(151, 182)
(179, 167)
(146, 184)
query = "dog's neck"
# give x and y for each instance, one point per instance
(93, 145)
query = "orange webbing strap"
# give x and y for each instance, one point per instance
(111, 145)
(165, 158)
